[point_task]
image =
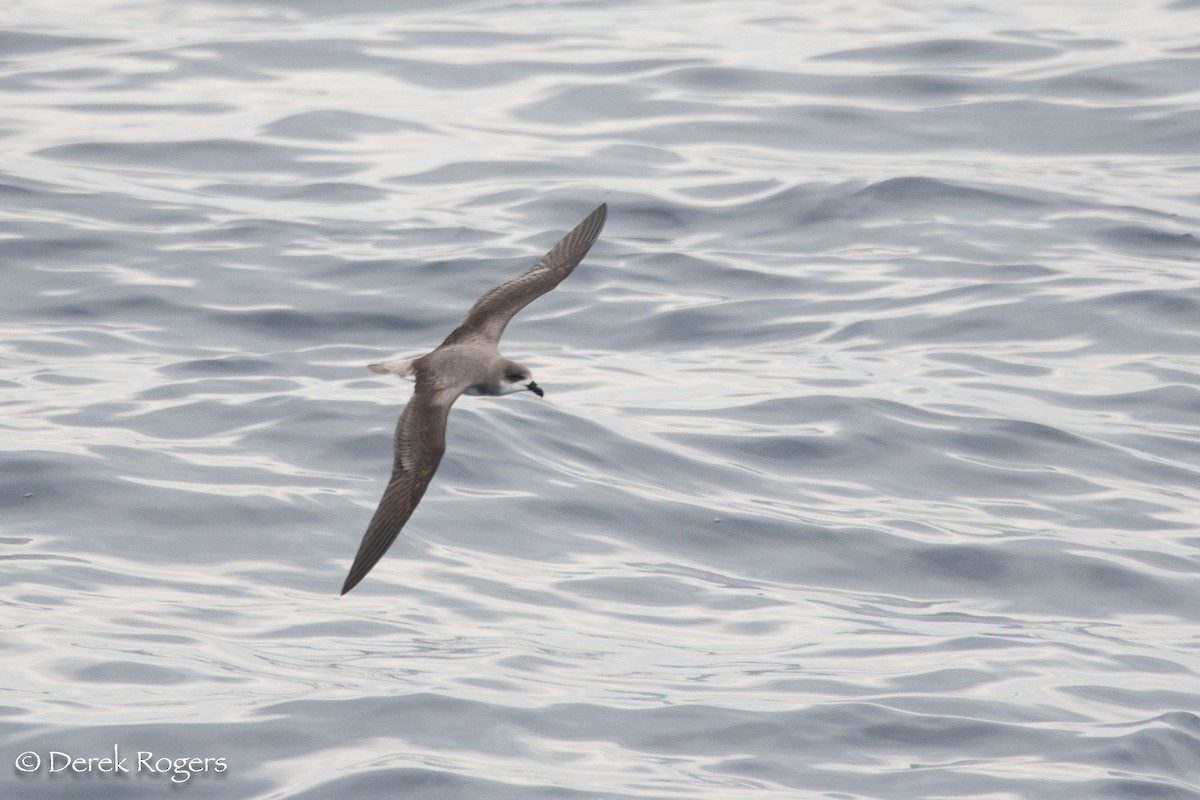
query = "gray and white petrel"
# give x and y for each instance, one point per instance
(467, 362)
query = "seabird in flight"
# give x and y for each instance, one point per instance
(467, 362)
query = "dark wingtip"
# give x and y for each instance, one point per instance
(584, 235)
(591, 226)
(353, 579)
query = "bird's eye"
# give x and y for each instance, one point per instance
(515, 376)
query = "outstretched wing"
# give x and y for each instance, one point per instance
(491, 313)
(420, 442)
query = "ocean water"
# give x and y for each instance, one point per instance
(869, 463)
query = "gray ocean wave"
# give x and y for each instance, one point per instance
(867, 464)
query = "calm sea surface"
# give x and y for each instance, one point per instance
(869, 463)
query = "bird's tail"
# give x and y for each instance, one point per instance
(399, 368)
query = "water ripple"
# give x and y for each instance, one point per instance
(867, 465)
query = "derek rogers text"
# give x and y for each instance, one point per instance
(179, 768)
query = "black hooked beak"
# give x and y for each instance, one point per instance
(533, 387)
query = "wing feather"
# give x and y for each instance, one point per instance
(492, 312)
(419, 444)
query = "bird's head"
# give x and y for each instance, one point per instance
(516, 378)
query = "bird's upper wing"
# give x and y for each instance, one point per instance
(491, 313)
(420, 442)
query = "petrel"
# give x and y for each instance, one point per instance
(467, 362)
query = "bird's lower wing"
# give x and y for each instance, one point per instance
(420, 442)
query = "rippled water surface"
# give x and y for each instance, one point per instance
(868, 461)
